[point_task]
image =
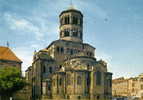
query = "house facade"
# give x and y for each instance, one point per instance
(8, 58)
(128, 87)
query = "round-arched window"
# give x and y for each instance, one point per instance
(98, 78)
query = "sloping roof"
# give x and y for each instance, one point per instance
(57, 41)
(71, 9)
(7, 54)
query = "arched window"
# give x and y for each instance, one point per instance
(50, 69)
(81, 35)
(66, 33)
(58, 49)
(68, 51)
(49, 87)
(75, 20)
(60, 81)
(98, 78)
(78, 97)
(44, 69)
(67, 19)
(75, 33)
(90, 54)
(98, 97)
(88, 66)
(60, 66)
(79, 80)
(71, 51)
(62, 49)
(88, 81)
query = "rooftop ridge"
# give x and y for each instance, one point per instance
(7, 54)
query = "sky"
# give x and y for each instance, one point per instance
(113, 27)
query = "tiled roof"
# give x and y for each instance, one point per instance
(7, 54)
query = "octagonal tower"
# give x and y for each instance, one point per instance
(71, 25)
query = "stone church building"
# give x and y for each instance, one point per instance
(67, 68)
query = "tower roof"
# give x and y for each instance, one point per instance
(7, 54)
(71, 9)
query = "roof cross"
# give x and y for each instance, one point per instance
(71, 3)
(7, 44)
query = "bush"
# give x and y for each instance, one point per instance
(10, 80)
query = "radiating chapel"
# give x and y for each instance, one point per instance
(67, 68)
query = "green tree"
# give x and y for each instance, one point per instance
(10, 81)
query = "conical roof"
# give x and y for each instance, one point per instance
(7, 54)
(71, 8)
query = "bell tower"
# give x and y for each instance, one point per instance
(71, 25)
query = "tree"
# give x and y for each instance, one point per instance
(10, 81)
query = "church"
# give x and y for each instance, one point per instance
(67, 68)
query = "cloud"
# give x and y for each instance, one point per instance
(25, 54)
(35, 46)
(94, 9)
(106, 57)
(23, 25)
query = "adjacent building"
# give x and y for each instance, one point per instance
(120, 87)
(67, 68)
(130, 87)
(28, 88)
(8, 58)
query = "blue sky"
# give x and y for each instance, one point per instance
(114, 27)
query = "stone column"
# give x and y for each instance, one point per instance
(91, 85)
